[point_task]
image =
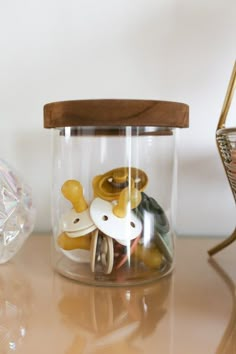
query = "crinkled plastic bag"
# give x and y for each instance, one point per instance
(17, 214)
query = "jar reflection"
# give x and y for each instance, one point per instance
(117, 320)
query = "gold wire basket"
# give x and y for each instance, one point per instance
(226, 143)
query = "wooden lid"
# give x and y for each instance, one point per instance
(116, 112)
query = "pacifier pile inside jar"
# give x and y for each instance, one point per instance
(121, 233)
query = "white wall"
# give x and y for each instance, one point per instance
(180, 50)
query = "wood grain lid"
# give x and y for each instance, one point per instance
(116, 112)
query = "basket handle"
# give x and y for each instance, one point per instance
(228, 99)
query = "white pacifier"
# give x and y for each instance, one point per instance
(122, 229)
(76, 224)
(116, 221)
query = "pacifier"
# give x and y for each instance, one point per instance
(115, 221)
(76, 224)
(109, 185)
(152, 214)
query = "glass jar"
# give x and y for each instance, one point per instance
(113, 188)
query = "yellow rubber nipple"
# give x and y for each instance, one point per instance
(128, 196)
(73, 191)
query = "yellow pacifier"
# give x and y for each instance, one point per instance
(109, 185)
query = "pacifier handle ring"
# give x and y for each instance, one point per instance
(93, 248)
(107, 257)
(119, 176)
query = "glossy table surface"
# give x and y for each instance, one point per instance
(191, 311)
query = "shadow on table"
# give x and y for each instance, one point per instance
(227, 344)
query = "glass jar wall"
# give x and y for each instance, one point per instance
(112, 194)
(113, 190)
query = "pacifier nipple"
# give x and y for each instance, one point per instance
(129, 198)
(73, 191)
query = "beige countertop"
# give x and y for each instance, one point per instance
(193, 311)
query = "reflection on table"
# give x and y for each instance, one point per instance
(14, 308)
(191, 311)
(116, 320)
(227, 344)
